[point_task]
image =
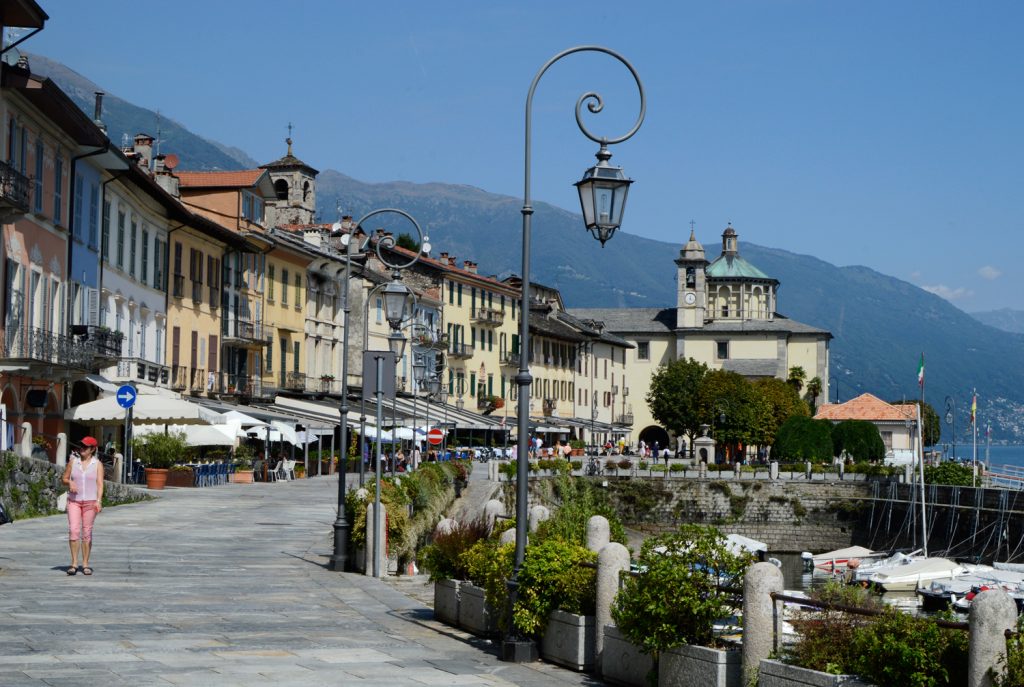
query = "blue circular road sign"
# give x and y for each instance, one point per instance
(126, 395)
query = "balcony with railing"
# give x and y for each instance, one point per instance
(106, 345)
(325, 384)
(179, 377)
(178, 286)
(198, 380)
(245, 333)
(14, 189)
(549, 406)
(625, 418)
(436, 339)
(141, 370)
(461, 351)
(510, 360)
(293, 381)
(489, 317)
(38, 347)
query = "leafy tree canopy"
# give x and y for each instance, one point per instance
(745, 410)
(859, 438)
(408, 242)
(781, 402)
(801, 438)
(674, 396)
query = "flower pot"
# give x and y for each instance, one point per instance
(242, 477)
(622, 662)
(446, 601)
(156, 478)
(778, 674)
(569, 640)
(475, 614)
(181, 478)
(699, 665)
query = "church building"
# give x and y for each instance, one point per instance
(725, 317)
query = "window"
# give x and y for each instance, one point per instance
(270, 283)
(643, 350)
(144, 271)
(105, 237)
(460, 294)
(213, 279)
(134, 240)
(58, 186)
(159, 346)
(76, 229)
(270, 358)
(142, 340)
(120, 240)
(37, 203)
(298, 292)
(295, 355)
(284, 287)
(691, 277)
(380, 310)
(472, 301)
(722, 350)
(159, 271)
(451, 292)
(94, 205)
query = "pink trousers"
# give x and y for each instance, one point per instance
(81, 515)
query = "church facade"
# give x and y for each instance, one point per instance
(725, 317)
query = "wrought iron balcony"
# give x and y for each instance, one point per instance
(199, 381)
(461, 351)
(510, 360)
(326, 384)
(14, 188)
(245, 333)
(489, 316)
(293, 381)
(179, 377)
(138, 369)
(105, 344)
(436, 339)
(624, 418)
(36, 346)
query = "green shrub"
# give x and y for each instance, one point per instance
(159, 450)
(859, 439)
(657, 467)
(611, 465)
(643, 465)
(578, 501)
(1012, 674)
(442, 557)
(801, 438)
(676, 599)
(677, 467)
(825, 638)
(489, 565)
(951, 473)
(577, 465)
(899, 649)
(625, 464)
(553, 578)
(509, 469)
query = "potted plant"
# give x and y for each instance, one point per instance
(443, 559)
(687, 566)
(181, 476)
(158, 452)
(243, 465)
(41, 447)
(577, 447)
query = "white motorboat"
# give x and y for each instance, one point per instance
(921, 572)
(840, 559)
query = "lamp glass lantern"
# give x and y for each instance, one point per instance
(603, 190)
(397, 300)
(419, 370)
(396, 344)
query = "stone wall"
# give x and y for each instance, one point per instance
(29, 487)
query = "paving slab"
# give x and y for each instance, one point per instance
(229, 585)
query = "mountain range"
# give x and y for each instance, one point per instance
(881, 324)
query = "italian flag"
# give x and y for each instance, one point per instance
(920, 372)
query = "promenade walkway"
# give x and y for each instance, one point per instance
(224, 586)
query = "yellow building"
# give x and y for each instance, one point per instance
(284, 313)
(725, 317)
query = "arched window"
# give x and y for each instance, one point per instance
(305, 191)
(757, 305)
(281, 189)
(723, 300)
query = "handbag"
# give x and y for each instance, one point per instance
(62, 502)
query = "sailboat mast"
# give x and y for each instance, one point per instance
(920, 455)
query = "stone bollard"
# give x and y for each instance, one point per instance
(702, 470)
(758, 616)
(118, 467)
(993, 612)
(842, 469)
(25, 447)
(598, 533)
(611, 560)
(62, 452)
(808, 470)
(908, 474)
(445, 526)
(736, 470)
(383, 563)
(493, 509)
(492, 470)
(537, 515)
(509, 537)
(773, 470)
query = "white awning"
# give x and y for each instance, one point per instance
(196, 435)
(149, 409)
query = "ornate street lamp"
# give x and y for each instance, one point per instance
(602, 197)
(339, 560)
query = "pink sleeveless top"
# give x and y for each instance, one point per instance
(84, 479)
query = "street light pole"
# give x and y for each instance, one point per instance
(951, 419)
(602, 193)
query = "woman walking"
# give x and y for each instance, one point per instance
(84, 477)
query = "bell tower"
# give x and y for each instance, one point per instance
(691, 296)
(294, 187)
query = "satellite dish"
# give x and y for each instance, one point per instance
(171, 161)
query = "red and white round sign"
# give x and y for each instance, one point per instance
(435, 436)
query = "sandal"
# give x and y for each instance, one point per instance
(72, 570)
(87, 570)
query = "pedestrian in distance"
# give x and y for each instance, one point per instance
(84, 477)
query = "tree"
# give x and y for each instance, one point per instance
(729, 393)
(797, 375)
(929, 418)
(674, 397)
(801, 438)
(814, 390)
(408, 242)
(859, 438)
(781, 402)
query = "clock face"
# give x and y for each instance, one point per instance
(691, 298)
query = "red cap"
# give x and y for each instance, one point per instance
(90, 441)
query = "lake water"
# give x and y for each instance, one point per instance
(998, 455)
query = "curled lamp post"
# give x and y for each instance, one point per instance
(339, 560)
(602, 194)
(951, 420)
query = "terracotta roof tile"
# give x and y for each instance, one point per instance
(866, 407)
(239, 178)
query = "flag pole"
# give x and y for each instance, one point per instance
(974, 429)
(920, 444)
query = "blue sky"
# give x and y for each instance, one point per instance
(874, 133)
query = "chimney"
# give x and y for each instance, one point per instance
(97, 115)
(451, 261)
(143, 147)
(164, 174)
(469, 266)
(443, 258)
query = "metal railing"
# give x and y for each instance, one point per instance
(489, 316)
(510, 360)
(38, 345)
(435, 339)
(179, 377)
(461, 350)
(294, 381)
(14, 188)
(244, 330)
(143, 370)
(624, 418)
(199, 380)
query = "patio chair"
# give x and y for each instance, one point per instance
(287, 469)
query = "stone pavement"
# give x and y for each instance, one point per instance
(225, 585)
